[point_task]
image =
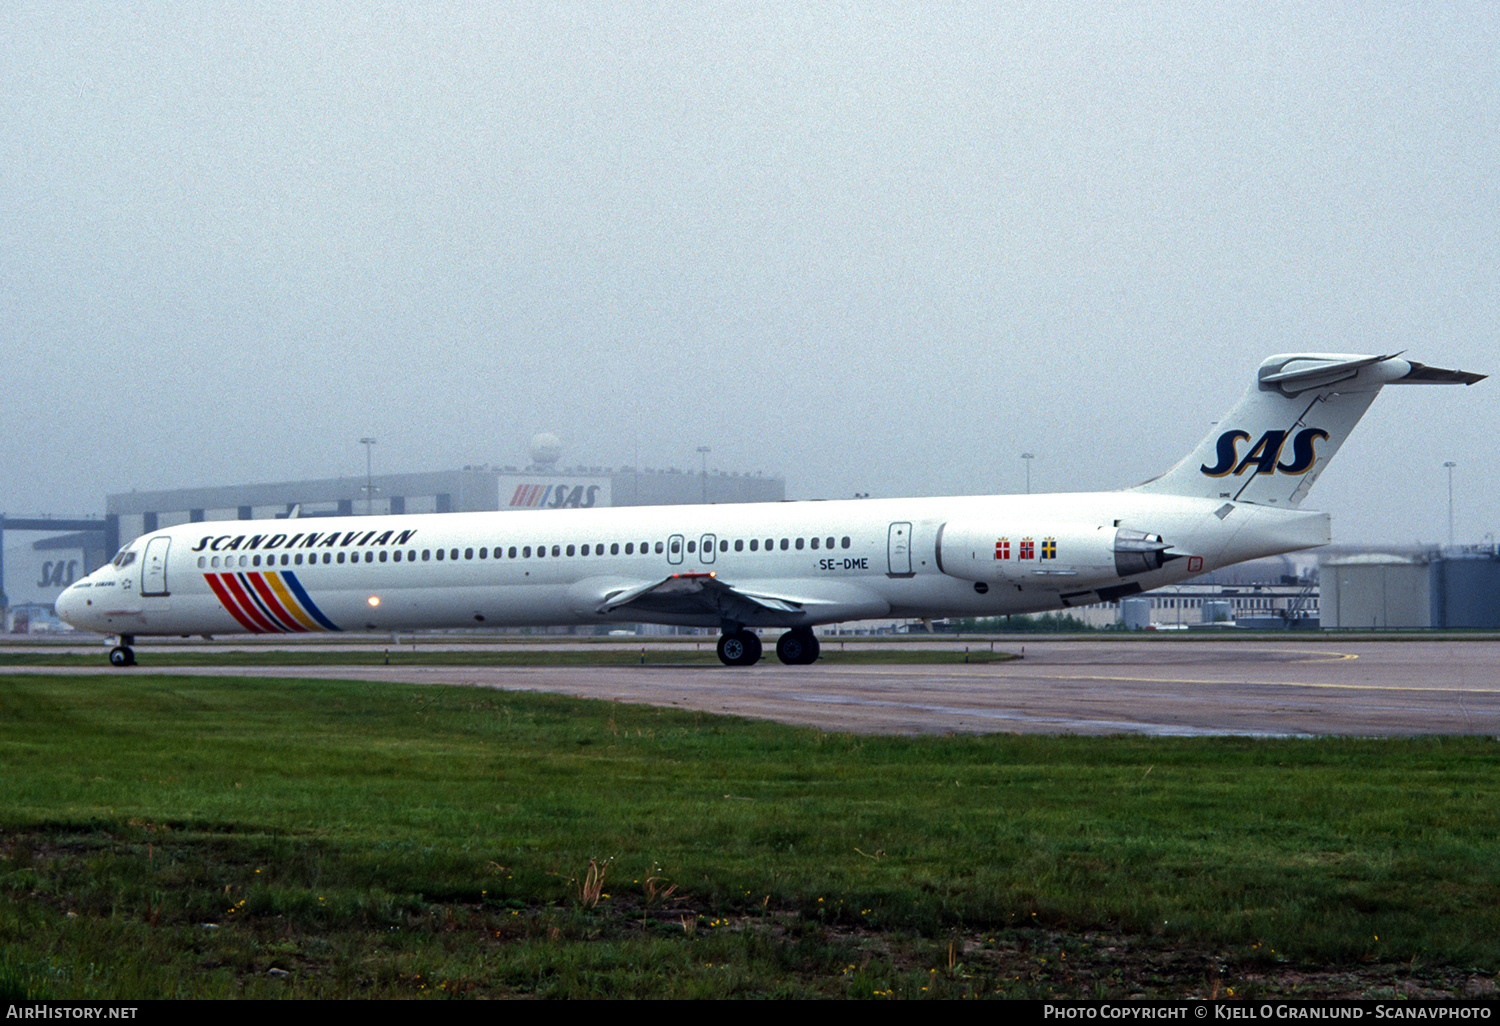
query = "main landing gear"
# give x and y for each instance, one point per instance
(797, 647)
(739, 648)
(122, 654)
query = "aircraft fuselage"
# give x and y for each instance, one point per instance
(821, 562)
(1236, 496)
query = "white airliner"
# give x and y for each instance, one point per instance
(790, 565)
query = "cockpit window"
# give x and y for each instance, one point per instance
(124, 558)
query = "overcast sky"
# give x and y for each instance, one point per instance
(874, 247)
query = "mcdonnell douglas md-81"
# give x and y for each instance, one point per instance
(787, 566)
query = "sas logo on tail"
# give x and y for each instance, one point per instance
(1264, 456)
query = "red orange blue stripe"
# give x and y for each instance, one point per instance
(269, 603)
(530, 496)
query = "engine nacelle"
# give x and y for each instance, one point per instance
(1077, 556)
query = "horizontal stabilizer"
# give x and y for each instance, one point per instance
(1421, 374)
(1300, 373)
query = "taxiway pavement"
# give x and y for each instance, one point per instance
(1177, 687)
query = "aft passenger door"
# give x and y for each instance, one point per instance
(898, 550)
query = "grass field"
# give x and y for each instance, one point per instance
(215, 837)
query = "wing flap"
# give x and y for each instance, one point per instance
(706, 597)
(698, 594)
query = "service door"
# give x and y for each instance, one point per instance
(898, 550)
(154, 567)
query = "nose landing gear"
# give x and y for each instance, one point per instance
(122, 654)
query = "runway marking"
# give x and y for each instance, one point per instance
(1044, 675)
(1281, 684)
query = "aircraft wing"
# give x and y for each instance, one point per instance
(704, 594)
(698, 593)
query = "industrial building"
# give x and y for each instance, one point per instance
(473, 489)
(1426, 587)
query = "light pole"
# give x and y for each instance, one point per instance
(703, 452)
(1450, 465)
(369, 444)
(1028, 457)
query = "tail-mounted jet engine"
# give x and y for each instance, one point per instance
(989, 552)
(1137, 552)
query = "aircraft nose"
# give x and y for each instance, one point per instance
(70, 605)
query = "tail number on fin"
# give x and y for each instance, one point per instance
(1263, 456)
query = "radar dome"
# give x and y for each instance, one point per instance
(545, 449)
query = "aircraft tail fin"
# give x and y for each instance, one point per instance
(1271, 447)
